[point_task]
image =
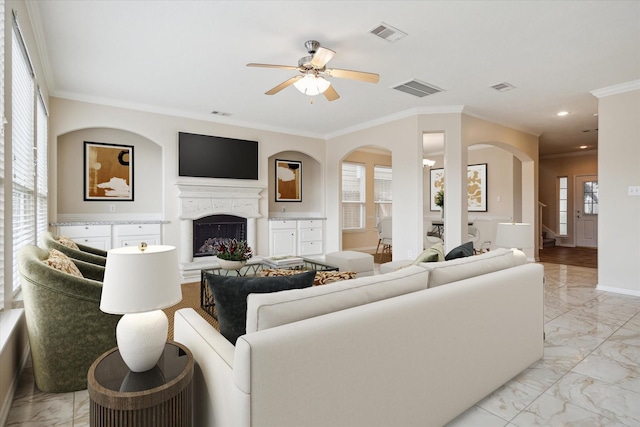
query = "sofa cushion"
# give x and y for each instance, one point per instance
(464, 268)
(461, 251)
(230, 296)
(61, 262)
(322, 277)
(270, 310)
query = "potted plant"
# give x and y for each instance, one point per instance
(439, 201)
(232, 254)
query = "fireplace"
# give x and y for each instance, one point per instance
(208, 231)
(198, 201)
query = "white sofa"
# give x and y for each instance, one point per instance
(373, 351)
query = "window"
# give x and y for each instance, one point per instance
(590, 198)
(2, 178)
(562, 205)
(42, 128)
(382, 191)
(353, 196)
(29, 147)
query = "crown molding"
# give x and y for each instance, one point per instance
(616, 89)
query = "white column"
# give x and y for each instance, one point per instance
(251, 233)
(186, 240)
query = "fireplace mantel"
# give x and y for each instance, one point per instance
(197, 201)
(200, 200)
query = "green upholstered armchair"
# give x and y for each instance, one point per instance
(49, 240)
(67, 330)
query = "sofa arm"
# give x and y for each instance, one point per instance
(219, 403)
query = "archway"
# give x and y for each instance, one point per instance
(363, 207)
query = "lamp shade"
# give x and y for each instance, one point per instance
(312, 85)
(137, 281)
(514, 235)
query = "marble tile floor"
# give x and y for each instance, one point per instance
(589, 376)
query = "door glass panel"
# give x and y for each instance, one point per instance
(590, 197)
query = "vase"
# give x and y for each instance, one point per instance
(230, 264)
(442, 213)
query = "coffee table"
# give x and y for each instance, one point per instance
(251, 268)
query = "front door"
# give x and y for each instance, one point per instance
(586, 207)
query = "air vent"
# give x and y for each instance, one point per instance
(220, 113)
(503, 87)
(417, 88)
(387, 32)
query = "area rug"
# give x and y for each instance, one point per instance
(190, 299)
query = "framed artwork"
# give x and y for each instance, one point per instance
(288, 181)
(108, 171)
(476, 187)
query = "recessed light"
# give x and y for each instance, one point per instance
(562, 113)
(582, 147)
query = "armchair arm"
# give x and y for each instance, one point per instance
(91, 250)
(90, 270)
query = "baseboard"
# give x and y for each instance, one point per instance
(622, 291)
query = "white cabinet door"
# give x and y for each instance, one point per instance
(133, 234)
(282, 242)
(96, 236)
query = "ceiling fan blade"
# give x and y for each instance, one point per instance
(284, 67)
(354, 75)
(321, 57)
(331, 94)
(283, 85)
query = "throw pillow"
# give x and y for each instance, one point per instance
(322, 277)
(433, 254)
(230, 296)
(61, 262)
(65, 241)
(461, 251)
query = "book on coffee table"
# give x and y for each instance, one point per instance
(283, 261)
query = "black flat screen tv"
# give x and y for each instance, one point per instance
(217, 157)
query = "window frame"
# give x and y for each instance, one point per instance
(361, 203)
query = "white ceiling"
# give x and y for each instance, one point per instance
(189, 58)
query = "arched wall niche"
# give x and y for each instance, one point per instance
(370, 156)
(312, 187)
(148, 188)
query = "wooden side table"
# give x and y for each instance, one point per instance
(162, 396)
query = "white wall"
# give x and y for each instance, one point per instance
(68, 116)
(147, 173)
(403, 137)
(500, 182)
(618, 168)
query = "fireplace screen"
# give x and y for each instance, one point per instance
(209, 230)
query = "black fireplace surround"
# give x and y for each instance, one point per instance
(209, 230)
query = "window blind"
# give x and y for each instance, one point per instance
(42, 129)
(353, 195)
(23, 105)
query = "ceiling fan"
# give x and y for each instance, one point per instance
(312, 70)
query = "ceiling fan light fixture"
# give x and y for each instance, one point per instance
(312, 85)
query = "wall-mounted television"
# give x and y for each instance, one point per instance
(217, 157)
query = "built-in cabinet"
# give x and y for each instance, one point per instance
(96, 236)
(106, 237)
(296, 237)
(133, 234)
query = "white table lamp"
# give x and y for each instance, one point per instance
(139, 282)
(514, 235)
